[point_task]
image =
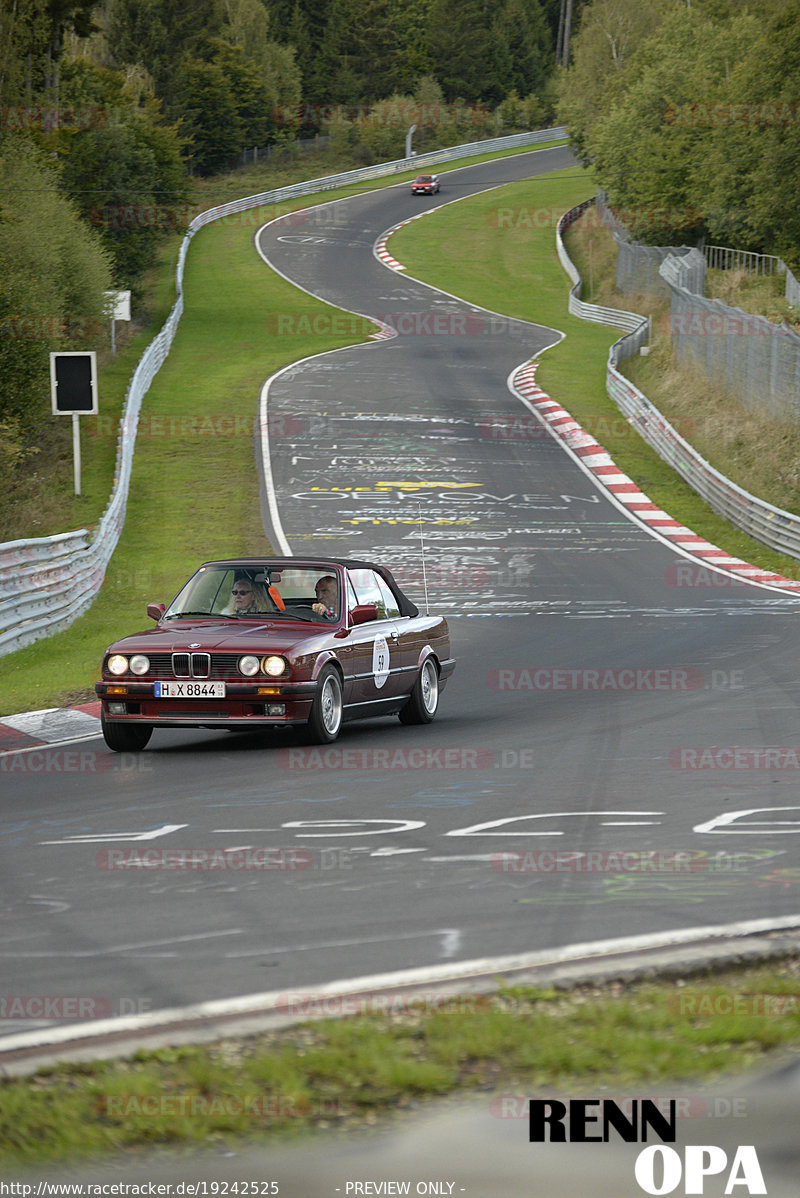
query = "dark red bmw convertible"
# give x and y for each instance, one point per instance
(265, 642)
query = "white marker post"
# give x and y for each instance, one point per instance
(118, 307)
(73, 391)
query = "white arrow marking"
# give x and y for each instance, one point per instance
(99, 837)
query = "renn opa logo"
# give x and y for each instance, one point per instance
(659, 1169)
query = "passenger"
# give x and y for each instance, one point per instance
(248, 598)
(327, 592)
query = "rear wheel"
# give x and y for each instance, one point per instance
(326, 710)
(124, 738)
(424, 700)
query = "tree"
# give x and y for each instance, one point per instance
(750, 181)
(126, 175)
(160, 33)
(522, 26)
(374, 48)
(210, 120)
(358, 58)
(253, 103)
(610, 32)
(329, 76)
(460, 46)
(32, 42)
(413, 57)
(660, 138)
(52, 285)
(274, 65)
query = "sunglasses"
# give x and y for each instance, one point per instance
(235, 592)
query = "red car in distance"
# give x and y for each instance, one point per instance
(271, 642)
(425, 185)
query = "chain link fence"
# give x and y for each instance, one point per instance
(773, 526)
(639, 268)
(749, 356)
(638, 265)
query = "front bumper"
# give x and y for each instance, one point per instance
(135, 702)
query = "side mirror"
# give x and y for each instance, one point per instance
(363, 612)
(155, 610)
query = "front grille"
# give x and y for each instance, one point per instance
(193, 665)
(201, 665)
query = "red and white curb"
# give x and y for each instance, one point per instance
(385, 257)
(379, 249)
(51, 726)
(385, 334)
(598, 463)
(601, 466)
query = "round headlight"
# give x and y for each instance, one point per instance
(248, 666)
(140, 664)
(274, 666)
(117, 664)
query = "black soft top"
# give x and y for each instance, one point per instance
(407, 608)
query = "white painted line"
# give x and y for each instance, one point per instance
(313, 946)
(276, 1001)
(113, 949)
(41, 748)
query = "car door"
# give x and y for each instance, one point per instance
(407, 644)
(376, 644)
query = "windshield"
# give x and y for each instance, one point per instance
(253, 592)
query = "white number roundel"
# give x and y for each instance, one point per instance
(380, 661)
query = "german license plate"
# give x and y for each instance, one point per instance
(190, 690)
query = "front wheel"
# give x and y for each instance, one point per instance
(124, 738)
(421, 706)
(326, 710)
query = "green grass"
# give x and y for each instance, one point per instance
(349, 1072)
(193, 494)
(42, 500)
(194, 490)
(512, 267)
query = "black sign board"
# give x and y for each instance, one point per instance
(73, 383)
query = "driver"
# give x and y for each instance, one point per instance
(327, 592)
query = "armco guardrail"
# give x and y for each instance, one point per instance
(615, 317)
(47, 582)
(770, 525)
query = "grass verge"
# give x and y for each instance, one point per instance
(347, 1073)
(41, 501)
(512, 267)
(194, 489)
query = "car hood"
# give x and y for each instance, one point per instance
(226, 636)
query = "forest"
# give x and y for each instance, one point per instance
(687, 109)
